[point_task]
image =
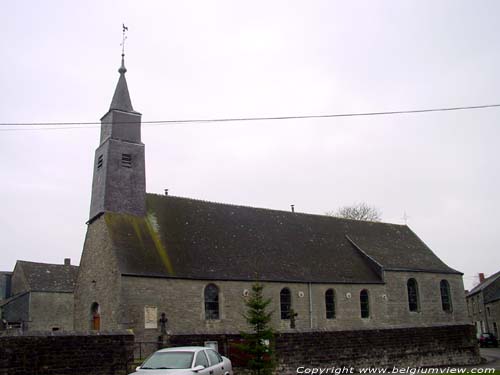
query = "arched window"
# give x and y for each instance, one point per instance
(413, 300)
(285, 303)
(445, 295)
(211, 302)
(330, 304)
(364, 304)
(95, 317)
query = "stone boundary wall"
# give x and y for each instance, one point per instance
(66, 353)
(401, 347)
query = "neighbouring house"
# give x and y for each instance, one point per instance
(5, 280)
(195, 261)
(41, 296)
(483, 304)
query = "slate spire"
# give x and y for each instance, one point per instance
(121, 99)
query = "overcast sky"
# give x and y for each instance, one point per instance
(219, 59)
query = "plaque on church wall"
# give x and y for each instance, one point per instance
(150, 317)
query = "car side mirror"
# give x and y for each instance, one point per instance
(198, 368)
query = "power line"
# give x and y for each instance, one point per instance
(85, 125)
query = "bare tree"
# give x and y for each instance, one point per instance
(357, 211)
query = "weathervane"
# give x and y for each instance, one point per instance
(124, 37)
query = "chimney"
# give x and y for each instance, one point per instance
(481, 277)
(166, 191)
(293, 207)
(67, 261)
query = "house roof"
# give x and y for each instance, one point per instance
(490, 288)
(45, 277)
(187, 238)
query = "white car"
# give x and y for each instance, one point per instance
(185, 360)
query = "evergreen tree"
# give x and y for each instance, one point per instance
(258, 344)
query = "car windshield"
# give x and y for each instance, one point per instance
(486, 335)
(163, 360)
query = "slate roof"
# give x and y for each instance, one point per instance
(45, 277)
(187, 238)
(490, 288)
(121, 98)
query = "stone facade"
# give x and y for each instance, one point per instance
(51, 311)
(41, 311)
(98, 280)
(493, 312)
(183, 303)
(42, 297)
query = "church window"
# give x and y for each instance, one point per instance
(211, 302)
(95, 317)
(285, 303)
(99, 161)
(364, 304)
(445, 295)
(413, 300)
(330, 304)
(127, 160)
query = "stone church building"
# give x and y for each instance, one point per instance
(195, 261)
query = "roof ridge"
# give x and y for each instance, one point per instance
(277, 210)
(46, 264)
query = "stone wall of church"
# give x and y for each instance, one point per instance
(183, 303)
(98, 280)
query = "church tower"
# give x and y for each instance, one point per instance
(119, 182)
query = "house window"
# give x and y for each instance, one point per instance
(211, 302)
(127, 160)
(364, 304)
(445, 295)
(99, 161)
(285, 303)
(330, 304)
(413, 303)
(95, 317)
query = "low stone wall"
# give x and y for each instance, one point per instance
(66, 353)
(401, 347)
(413, 347)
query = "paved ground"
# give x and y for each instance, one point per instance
(492, 356)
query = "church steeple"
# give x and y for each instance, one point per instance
(121, 99)
(119, 183)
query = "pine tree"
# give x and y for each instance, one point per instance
(258, 344)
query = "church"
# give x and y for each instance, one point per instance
(193, 262)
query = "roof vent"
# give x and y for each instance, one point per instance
(166, 191)
(67, 261)
(293, 207)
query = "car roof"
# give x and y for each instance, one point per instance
(184, 349)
